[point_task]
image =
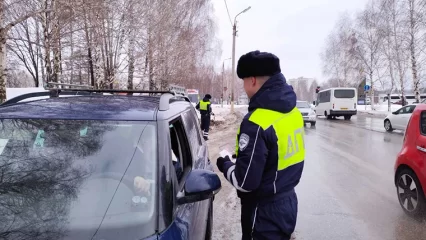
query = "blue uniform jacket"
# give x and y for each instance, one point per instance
(255, 174)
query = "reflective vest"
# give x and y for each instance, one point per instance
(204, 105)
(289, 130)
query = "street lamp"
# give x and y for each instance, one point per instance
(234, 35)
(223, 73)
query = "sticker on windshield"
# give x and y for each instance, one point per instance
(39, 141)
(83, 132)
(3, 143)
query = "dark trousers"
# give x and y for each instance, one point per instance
(274, 220)
(205, 124)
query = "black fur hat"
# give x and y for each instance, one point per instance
(208, 96)
(256, 64)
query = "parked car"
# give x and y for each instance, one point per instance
(94, 166)
(399, 119)
(307, 111)
(410, 167)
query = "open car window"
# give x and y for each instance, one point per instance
(76, 178)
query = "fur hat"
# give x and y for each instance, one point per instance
(208, 96)
(256, 64)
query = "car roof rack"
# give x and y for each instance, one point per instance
(50, 93)
(56, 92)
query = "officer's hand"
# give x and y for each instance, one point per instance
(141, 185)
(234, 156)
(220, 162)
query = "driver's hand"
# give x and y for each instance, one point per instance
(141, 185)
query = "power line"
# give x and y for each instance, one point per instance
(229, 16)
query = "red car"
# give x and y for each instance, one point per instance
(410, 167)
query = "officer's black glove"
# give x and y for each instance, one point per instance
(234, 156)
(220, 162)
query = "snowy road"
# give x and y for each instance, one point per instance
(346, 191)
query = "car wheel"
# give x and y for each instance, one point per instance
(347, 117)
(410, 193)
(313, 123)
(388, 126)
(328, 116)
(209, 227)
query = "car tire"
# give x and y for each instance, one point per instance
(313, 124)
(348, 117)
(329, 117)
(412, 202)
(388, 125)
(209, 226)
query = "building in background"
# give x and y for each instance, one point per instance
(304, 88)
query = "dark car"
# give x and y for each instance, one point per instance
(95, 166)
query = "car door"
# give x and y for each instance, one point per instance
(421, 146)
(201, 161)
(408, 111)
(186, 215)
(404, 116)
(397, 120)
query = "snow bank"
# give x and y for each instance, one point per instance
(379, 110)
(221, 113)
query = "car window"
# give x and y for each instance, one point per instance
(406, 110)
(302, 105)
(180, 147)
(344, 93)
(423, 122)
(411, 109)
(193, 131)
(74, 171)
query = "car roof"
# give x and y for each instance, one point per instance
(88, 107)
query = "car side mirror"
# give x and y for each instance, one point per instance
(395, 113)
(199, 185)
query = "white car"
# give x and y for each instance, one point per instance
(307, 111)
(398, 120)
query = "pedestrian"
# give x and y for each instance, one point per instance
(205, 108)
(270, 151)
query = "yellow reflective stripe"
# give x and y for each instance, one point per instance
(289, 131)
(203, 105)
(237, 145)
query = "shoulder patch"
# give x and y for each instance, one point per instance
(244, 141)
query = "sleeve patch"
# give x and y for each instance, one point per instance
(244, 141)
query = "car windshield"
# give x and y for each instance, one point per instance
(302, 105)
(344, 93)
(63, 179)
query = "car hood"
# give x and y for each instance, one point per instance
(305, 110)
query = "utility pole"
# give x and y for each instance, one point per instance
(234, 35)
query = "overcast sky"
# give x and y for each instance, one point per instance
(295, 31)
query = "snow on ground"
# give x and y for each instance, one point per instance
(379, 110)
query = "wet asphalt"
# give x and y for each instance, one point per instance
(347, 189)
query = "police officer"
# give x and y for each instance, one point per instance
(270, 151)
(204, 106)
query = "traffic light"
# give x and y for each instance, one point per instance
(317, 89)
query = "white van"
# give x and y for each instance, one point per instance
(336, 102)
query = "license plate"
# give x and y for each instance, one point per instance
(343, 108)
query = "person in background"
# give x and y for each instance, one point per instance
(204, 106)
(270, 151)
